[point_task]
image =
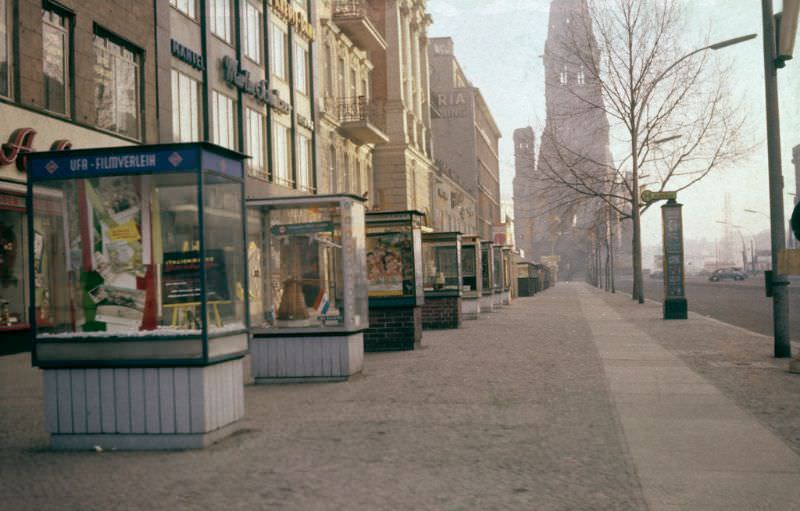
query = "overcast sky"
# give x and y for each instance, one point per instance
(498, 43)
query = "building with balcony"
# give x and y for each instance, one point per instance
(350, 124)
(465, 135)
(401, 90)
(239, 74)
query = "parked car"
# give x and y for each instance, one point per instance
(727, 273)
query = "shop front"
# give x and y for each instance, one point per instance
(472, 276)
(308, 287)
(487, 277)
(442, 274)
(139, 294)
(394, 272)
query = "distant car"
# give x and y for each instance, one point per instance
(727, 273)
(656, 274)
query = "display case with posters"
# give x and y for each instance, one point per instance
(441, 261)
(487, 277)
(472, 276)
(497, 274)
(308, 287)
(526, 278)
(508, 272)
(139, 266)
(395, 282)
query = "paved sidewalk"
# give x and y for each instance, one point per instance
(563, 401)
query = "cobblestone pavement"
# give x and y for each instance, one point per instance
(510, 412)
(738, 362)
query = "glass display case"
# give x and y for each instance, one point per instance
(394, 258)
(527, 276)
(487, 265)
(471, 266)
(137, 256)
(441, 260)
(508, 268)
(307, 264)
(497, 268)
(13, 267)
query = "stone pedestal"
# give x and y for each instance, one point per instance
(487, 303)
(441, 312)
(142, 408)
(393, 329)
(313, 357)
(470, 307)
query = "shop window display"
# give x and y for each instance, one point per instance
(13, 283)
(441, 255)
(148, 251)
(486, 267)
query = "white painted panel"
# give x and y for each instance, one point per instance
(183, 423)
(122, 400)
(197, 400)
(93, 409)
(78, 381)
(107, 407)
(136, 387)
(64, 394)
(152, 416)
(167, 399)
(50, 400)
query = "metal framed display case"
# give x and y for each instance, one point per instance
(487, 277)
(15, 326)
(471, 276)
(394, 273)
(527, 277)
(442, 277)
(508, 275)
(139, 293)
(497, 274)
(308, 287)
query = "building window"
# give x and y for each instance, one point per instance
(252, 32)
(277, 51)
(280, 151)
(220, 19)
(5, 57)
(332, 170)
(185, 108)
(256, 143)
(187, 7)
(581, 78)
(223, 120)
(300, 69)
(340, 78)
(348, 185)
(563, 76)
(304, 163)
(55, 61)
(116, 84)
(353, 83)
(328, 70)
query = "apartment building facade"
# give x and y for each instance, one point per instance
(465, 135)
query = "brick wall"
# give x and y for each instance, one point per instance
(441, 312)
(393, 329)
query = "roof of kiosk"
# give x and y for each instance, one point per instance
(441, 236)
(135, 159)
(289, 201)
(377, 217)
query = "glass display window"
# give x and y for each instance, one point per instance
(394, 256)
(497, 267)
(508, 265)
(13, 270)
(487, 265)
(307, 263)
(441, 261)
(140, 243)
(471, 266)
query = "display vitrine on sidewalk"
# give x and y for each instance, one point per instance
(441, 259)
(308, 287)
(471, 269)
(487, 277)
(139, 294)
(394, 269)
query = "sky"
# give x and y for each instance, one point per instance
(499, 43)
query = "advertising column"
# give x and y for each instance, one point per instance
(675, 306)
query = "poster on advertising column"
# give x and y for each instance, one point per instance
(673, 251)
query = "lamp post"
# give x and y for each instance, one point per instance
(779, 283)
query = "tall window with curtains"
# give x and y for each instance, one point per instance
(304, 181)
(187, 7)
(280, 152)
(5, 53)
(256, 144)
(252, 32)
(117, 85)
(220, 19)
(224, 120)
(55, 60)
(185, 108)
(277, 51)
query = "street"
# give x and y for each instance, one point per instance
(743, 304)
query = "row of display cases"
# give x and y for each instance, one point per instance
(150, 255)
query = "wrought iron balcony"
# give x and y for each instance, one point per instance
(352, 17)
(361, 120)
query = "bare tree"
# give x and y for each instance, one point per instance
(671, 116)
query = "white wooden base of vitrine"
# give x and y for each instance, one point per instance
(311, 358)
(487, 303)
(470, 308)
(505, 297)
(142, 408)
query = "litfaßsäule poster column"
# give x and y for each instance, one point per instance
(675, 305)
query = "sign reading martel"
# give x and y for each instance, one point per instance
(240, 79)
